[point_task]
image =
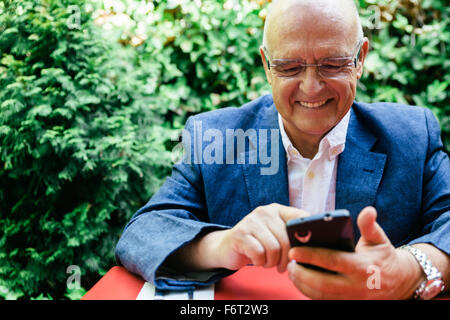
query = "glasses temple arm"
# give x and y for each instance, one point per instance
(265, 57)
(358, 55)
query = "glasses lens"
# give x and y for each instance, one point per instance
(289, 69)
(335, 69)
(327, 68)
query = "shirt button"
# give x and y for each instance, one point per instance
(311, 175)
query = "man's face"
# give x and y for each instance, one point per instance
(310, 104)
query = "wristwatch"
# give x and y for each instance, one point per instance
(434, 284)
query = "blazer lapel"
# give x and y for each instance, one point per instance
(266, 188)
(359, 170)
(358, 175)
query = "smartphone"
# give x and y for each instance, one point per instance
(332, 230)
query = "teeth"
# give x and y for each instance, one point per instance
(312, 104)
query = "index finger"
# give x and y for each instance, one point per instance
(288, 213)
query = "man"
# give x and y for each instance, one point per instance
(383, 162)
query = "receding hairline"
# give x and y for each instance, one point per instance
(276, 3)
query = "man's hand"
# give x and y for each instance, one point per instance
(397, 271)
(260, 239)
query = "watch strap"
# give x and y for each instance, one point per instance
(431, 272)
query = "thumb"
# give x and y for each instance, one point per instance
(371, 232)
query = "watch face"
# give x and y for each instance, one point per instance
(433, 288)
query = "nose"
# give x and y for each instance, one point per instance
(310, 82)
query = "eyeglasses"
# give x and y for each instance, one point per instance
(326, 67)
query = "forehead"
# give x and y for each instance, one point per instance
(320, 30)
(314, 49)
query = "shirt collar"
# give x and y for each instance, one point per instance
(332, 144)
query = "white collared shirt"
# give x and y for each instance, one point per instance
(312, 182)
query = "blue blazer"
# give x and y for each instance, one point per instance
(393, 160)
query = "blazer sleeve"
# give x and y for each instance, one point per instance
(173, 217)
(436, 191)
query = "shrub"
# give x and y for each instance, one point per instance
(408, 61)
(81, 146)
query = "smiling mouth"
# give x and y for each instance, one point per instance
(313, 105)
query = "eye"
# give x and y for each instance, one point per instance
(335, 65)
(289, 70)
(332, 67)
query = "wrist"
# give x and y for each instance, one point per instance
(433, 284)
(413, 274)
(198, 255)
(208, 250)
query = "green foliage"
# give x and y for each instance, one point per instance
(408, 61)
(81, 146)
(91, 98)
(208, 53)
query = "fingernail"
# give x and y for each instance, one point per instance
(291, 266)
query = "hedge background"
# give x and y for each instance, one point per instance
(93, 95)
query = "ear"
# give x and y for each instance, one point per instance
(362, 57)
(266, 66)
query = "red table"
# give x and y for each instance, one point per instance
(249, 283)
